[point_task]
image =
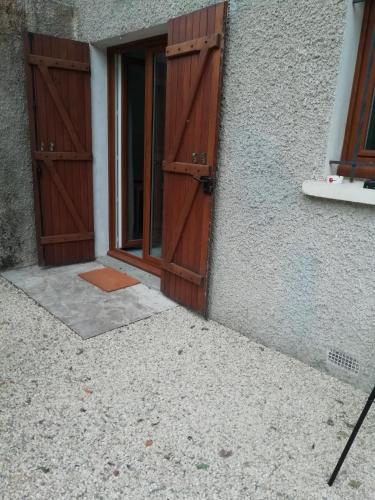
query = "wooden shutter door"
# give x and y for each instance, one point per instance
(194, 55)
(58, 72)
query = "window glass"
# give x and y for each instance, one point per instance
(370, 137)
(135, 109)
(158, 117)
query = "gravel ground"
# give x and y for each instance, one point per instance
(170, 407)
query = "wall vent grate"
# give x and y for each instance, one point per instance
(343, 361)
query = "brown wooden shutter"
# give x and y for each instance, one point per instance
(194, 55)
(58, 78)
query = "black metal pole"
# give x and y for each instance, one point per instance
(357, 426)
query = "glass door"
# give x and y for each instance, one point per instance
(139, 90)
(157, 65)
(133, 158)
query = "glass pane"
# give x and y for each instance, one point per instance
(135, 108)
(370, 138)
(118, 151)
(158, 120)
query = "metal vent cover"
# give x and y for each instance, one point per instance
(343, 361)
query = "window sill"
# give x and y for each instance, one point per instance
(347, 191)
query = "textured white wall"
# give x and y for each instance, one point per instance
(291, 272)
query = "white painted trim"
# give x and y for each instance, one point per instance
(347, 191)
(99, 119)
(140, 34)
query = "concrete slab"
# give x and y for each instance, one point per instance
(83, 307)
(170, 407)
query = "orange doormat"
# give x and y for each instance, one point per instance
(108, 279)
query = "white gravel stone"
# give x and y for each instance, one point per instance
(223, 417)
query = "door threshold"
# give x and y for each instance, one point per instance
(133, 260)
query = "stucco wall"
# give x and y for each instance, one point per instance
(119, 17)
(290, 271)
(17, 238)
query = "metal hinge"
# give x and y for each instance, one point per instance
(208, 183)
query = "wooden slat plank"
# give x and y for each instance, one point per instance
(187, 168)
(169, 123)
(64, 238)
(65, 196)
(62, 222)
(76, 113)
(63, 155)
(182, 221)
(184, 273)
(184, 289)
(186, 113)
(180, 63)
(198, 124)
(45, 132)
(61, 108)
(192, 141)
(360, 172)
(193, 46)
(55, 62)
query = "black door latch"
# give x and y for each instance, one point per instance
(208, 183)
(369, 184)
